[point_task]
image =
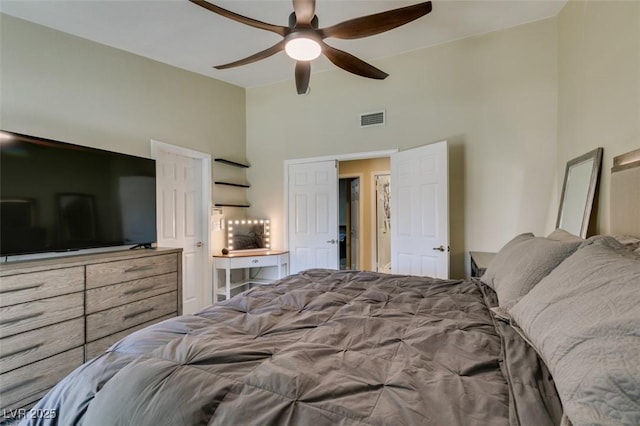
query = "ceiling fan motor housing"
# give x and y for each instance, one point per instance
(293, 20)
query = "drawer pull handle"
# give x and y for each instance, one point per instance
(137, 314)
(22, 351)
(21, 318)
(13, 290)
(138, 269)
(138, 290)
(255, 261)
(24, 384)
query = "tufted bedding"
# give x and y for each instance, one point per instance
(320, 348)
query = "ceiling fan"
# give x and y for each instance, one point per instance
(303, 40)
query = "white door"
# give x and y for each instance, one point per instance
(383, 223)
(183, 222)
(313, 215)
(420, 211)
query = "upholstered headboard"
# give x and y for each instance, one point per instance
(625, 194)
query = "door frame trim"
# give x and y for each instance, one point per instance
(335, 157)
(205, 162)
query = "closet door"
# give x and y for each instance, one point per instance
(313, 215)
(420, 211)
(183, 210)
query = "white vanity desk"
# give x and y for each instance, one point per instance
(246, 260)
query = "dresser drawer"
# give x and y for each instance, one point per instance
(253, 261)
(131, 269)
(101, 298)
(21, 288)
(113, 320)
(25, 348)
(97, 347)
(16, 319)
(26, 385)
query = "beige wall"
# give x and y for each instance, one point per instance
(598, 86)
(366, 169)
(492, 97)
(63, 87)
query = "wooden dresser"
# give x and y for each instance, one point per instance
(57, 313)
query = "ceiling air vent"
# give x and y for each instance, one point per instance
(372, 119)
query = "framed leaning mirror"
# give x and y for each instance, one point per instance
(578, 192)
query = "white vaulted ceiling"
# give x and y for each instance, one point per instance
(187, 36)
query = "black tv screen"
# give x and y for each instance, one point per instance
(56, 196)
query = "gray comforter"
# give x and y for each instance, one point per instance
(319, 348)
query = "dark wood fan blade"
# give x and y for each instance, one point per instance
(350, 63)
(253, 58)
(278, 29)
(303, 74)
(305, 10)
(377, 23)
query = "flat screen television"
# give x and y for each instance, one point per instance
(59, 197)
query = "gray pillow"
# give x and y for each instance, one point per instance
(562, 235)
(522, 263)
(584, 320)
(631, 243)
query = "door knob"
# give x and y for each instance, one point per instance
(332, 241)
(441, 248)
(199, 244)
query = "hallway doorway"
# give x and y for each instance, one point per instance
(349, 222)
(359, 244)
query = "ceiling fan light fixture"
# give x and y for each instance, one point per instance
(303, 40)
(303, 49)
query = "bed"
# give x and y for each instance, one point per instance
(323, 347)
(549, 335)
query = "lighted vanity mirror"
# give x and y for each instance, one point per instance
(578, 192)
(248, 234)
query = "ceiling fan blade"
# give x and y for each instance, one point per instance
(303, 74)
(377, 23)
(278, 29)
(350, 63)
(305, 10)
(255, 57)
